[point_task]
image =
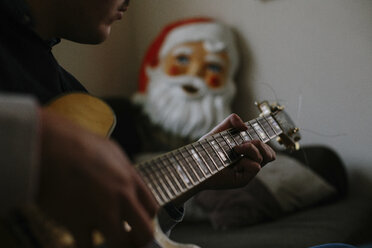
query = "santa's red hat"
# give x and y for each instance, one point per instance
(188, 30)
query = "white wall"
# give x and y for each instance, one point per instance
(316, 55)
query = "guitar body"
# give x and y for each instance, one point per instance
(164, 241)
(95, 115)
(87, 111)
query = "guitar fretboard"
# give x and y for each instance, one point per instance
(170, 175)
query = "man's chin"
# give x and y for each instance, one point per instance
(93, 37)
(101, 35)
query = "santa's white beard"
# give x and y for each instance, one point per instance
(182, 113)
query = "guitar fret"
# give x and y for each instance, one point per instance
(162, 188)
(214, 168)
(263, 128)
(271, 127)
(264, 122)
(177, 177)
(220, 150)
(171, 178)
(223, 138)
(237, 137)
(146, 177)
(157, 187)
(150, 183)
(262, 135)
(163, 179)
(199, 179)
(196, 154)
(247, 131)
(255, 131)
(185, 171)
(167, 176)
(232, 137)
(252, 132)
(220, 160)
(245, 136)
(179, 170)
(214, 162)
(233, 156)
(240, 135)
(201, 169)
(156, 194)
(275, 125)
(194, 157)
(222, 143)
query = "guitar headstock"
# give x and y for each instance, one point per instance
(291, 135)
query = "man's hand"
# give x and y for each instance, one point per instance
(87, 183)
(256, 154)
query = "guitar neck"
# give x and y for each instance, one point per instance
(172, 174)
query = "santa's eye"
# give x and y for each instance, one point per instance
(182, 59)
(216, 68)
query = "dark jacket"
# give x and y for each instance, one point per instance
(27, 64)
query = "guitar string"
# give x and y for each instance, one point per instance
(171, 195)
(230, 132)
(224, 148)
(199, 152)
(175, 193)
(163, 169)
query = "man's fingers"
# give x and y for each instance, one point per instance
(257, 151)
(232, 121)
(115, 234)
(114, 231)
(139, 221)
(83, 238)
(250, 151)
(146, 198)
(143, 192)
(268, 154)
(245, 170)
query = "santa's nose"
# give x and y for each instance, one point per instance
(196, 69)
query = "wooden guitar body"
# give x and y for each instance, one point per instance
(95, 115)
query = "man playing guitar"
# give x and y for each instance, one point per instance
(82, 181)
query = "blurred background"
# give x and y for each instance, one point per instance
(314, 57)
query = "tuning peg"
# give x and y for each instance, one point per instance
(280, 107)
(276, 107)
(293, 131)
(297, 146)
(279, 140)
(264, 107)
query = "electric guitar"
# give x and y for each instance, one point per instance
(170, 175)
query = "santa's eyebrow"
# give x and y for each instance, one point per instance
(184, 50)
(213, 58)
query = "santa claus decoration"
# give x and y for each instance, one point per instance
(186, 81)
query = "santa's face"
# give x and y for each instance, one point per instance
(196, 60)
(190, 91)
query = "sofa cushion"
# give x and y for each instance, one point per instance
(282, 187)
